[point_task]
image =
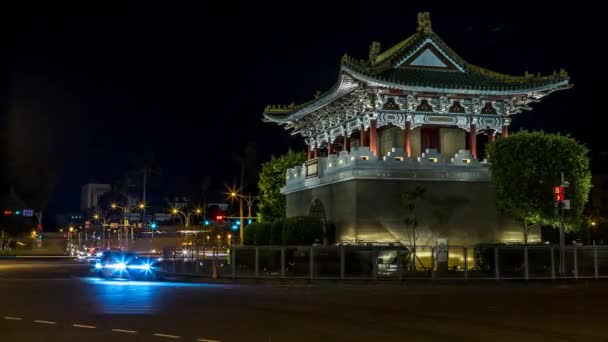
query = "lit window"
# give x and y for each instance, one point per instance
(466, 161)
(433, 160)
(364, 158)
(399, 158)
(341, 162)
(329, 165)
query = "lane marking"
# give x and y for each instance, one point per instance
(83, 326)
(206, 340)
(13, 318)
(44, 322)
(125, 331)
(167, 336)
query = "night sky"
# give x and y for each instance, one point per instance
(92, 90)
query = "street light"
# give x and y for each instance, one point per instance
(234, 194)
(176, 211)
(125, 211)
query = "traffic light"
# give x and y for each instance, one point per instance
(153, 225)
(249, 221)
(219, 218)
(558, 192)
(235, 227)
(17, 212)
(206, 222)
(40, 227)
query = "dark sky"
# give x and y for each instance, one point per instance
(93, 89)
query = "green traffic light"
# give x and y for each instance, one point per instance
(17, 212)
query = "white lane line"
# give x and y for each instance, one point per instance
(207, 340)
(83, 326)
(167, 336)
(125, 331)
(44, 322)
(13, 318)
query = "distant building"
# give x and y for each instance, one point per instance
(90, 194)
(70, 219)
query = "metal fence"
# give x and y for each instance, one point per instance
(390, 263)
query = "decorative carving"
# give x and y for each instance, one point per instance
(424, 22)
(424, 106)
(457, 108)
(396, 119)
(444, 104)
(488, 108)
(475, 107)
(374, 51)
(390, 104)
(412, 102)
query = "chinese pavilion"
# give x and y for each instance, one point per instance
(407, 116)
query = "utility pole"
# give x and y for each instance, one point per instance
(143, 220)
(562, 235)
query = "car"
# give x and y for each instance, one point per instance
(126, 265)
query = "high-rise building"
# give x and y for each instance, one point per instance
(90, 194)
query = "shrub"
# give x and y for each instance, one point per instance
(276, 233)
(302, 230)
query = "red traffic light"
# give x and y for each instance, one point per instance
(558, 191)
(8, 212)
(219, 218)
(40, 227)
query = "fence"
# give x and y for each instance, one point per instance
(390, 263)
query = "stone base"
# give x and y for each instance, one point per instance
(372, 210)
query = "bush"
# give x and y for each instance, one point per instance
(276, 233)
(249, 234)
(302, 230)
(258, 234)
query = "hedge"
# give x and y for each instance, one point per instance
(301, 230)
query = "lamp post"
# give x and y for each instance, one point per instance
(104, 221)
(125, 211)
(176, 211)
(233, 194)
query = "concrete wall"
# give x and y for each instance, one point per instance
(372, 210)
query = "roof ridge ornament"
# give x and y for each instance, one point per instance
(424, 22)
(374, 51)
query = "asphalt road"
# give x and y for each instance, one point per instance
(60, 301)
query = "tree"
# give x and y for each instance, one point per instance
(526, 166)
(272, 179)
(411, 221)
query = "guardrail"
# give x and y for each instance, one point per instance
(390, 263)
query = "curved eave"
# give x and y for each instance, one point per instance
(345, 85)
(559, 84)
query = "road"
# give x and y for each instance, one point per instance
(59, 300)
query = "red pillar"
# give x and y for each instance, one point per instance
(490, 136)
(362, 137)
(407, 133)
(316, 151)
(345, 146)
(309, 153)
(473, 140)
(329, 148)
(373, 137)
(505, 131)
